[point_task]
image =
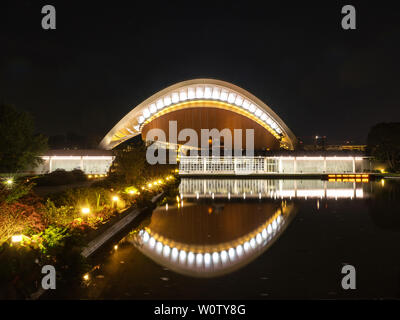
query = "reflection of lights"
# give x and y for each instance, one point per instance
(239, 250)
(246, 246)
(182, 256)
(207, 259)
(224, 256)
(253, 243)
(231, 253)
(152, 242)
(159, 247)
(215, 257)
(166, 251)
(383, 182)
(264, 233)
(190, 257)
(174, 253)
(269, 229)
(116, 247)
(274, 224)
(258, 238)
(199, 258)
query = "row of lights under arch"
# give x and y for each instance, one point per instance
(216, 258)
(207, 92)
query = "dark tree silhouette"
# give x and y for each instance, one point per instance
(384, 143)
(20, 147)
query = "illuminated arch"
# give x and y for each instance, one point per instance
(207, 93)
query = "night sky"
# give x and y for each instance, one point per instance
(105, 58)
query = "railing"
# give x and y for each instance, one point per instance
(197, 165)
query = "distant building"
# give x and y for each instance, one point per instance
(90, 161)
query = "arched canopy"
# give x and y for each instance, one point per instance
(215, 93)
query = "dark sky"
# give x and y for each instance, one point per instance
(105, 58)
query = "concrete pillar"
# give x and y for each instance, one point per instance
(295, 165)
(324, 164)
(50, 164)
(82, 163)
(354, 165)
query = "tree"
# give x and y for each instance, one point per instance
(20, 147)
(384, 143)
(130, 163)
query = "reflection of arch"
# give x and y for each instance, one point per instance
(216, 259)
(199, 93)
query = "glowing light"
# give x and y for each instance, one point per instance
(259, 238)
(224, 95)
(149, 185)
(174, 253)
(146, 113)
(199, 92)
(246, 246)
(264, 233)
(224, 256)
(191, 93)
(115, 198)
(85, 210)
(16, 238)
(231, 253)
(383, 182)
(166, 251)
(274, 225)
(190, 257)
(160, 104)
(86, 277)
(239, 250)
(215, 257)
(239, 101)
(167, 100)
(253, 243)
(231, 97)
(10, 181)
(146, 237)
(153, 108)
(199, 258)
(152, 242)
(116, 247)
(182, 256)
(159, 247)
(216, 93)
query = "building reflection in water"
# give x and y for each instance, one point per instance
(269, 188)
(225, 224)
(206, 240)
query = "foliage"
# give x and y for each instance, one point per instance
(129, 165)
(54, 237)
(61, 177)
(19, 271)
(14, 192)
(384, 144)
(20, 147)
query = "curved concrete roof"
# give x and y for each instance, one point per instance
(217, 93)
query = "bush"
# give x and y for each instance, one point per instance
(61, 177)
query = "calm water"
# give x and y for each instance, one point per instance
(258, 239)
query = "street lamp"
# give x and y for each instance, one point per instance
(85, 210)
(16, 238)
